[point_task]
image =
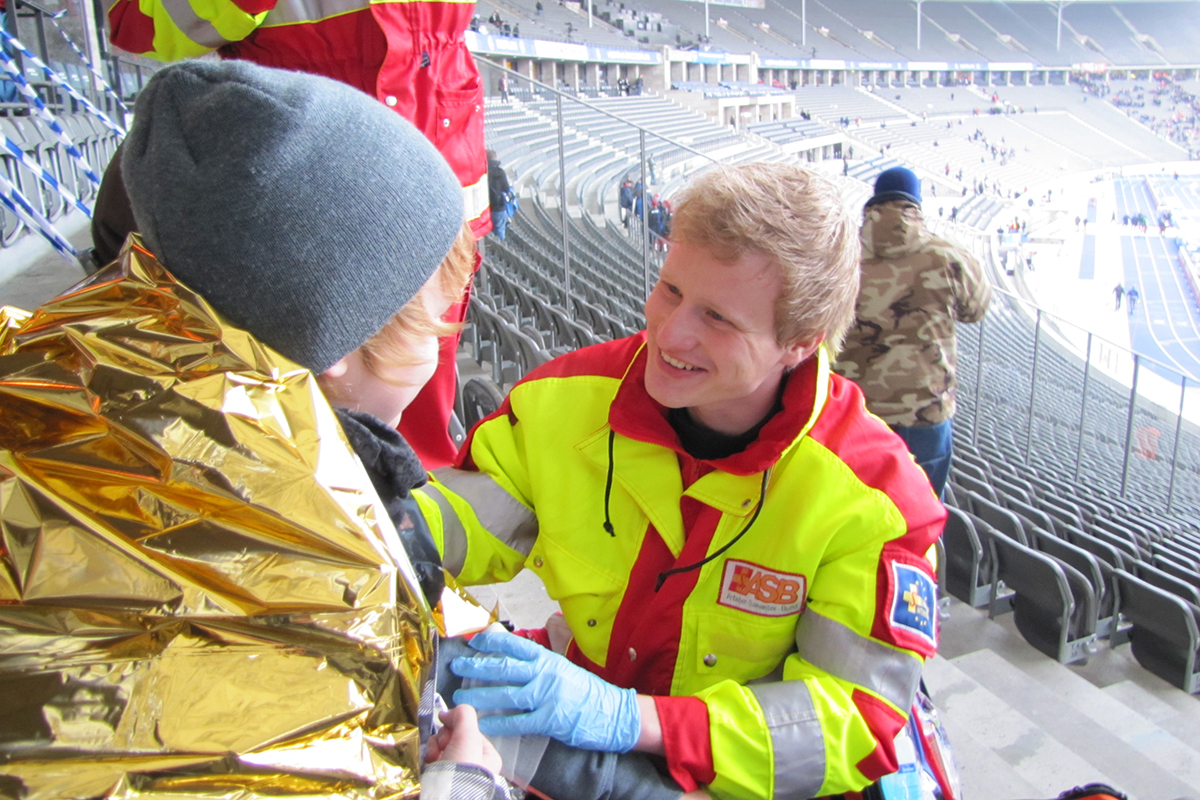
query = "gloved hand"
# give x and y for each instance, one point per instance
(564, 701)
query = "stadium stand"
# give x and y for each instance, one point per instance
(1058, 513)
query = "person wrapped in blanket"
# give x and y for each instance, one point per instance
(212, 583)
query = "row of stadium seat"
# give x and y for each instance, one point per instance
(96, 143)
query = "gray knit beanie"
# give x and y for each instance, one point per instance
(303, 210)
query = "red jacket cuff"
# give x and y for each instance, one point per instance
(688, 746)
(539, 635)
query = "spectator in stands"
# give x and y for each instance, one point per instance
(625, 202)
(409, 56)
(257, 253)
(539, 8)
(718, 435)
(902, 349)
(503, 86)
(499, 193)
(654, 220)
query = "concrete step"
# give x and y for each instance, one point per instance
(1076, 730)
(1164, 705)
(1000, 753)
(1059, 726)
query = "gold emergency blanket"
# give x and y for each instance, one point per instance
(200, 592)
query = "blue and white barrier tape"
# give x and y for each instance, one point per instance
(16, 202)
(103, 83)
(51, 181)
(57, 80)
(45, 116)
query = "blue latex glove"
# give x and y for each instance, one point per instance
(564, 701)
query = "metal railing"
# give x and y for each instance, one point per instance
(1050, 394)
(595, 148)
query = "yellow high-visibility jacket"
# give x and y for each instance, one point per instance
(778, 603)
(409, 54)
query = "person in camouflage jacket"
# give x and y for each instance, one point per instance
(901, 349)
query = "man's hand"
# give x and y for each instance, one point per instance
(562, 700)
(460, 740)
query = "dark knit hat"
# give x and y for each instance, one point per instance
(897, 183)
(303, 210)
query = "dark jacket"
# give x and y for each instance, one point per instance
(395, 471)
(497, 186)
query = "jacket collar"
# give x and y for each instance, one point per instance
(638, 416)
(895, 229)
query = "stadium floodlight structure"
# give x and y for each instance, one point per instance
(1061, 4)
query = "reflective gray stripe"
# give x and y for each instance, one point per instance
(797, 742)
(199, 30)
(288, 12)
(502, 514)
(832, 647)
(454, 536)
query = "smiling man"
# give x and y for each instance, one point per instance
(738, 547)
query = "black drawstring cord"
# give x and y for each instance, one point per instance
(608, 526)
(662, 576)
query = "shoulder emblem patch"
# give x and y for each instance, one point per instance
(914, 603)
(761, 591)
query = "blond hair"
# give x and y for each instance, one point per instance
(798, 220)
(392, 345)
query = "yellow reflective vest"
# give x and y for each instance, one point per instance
(408, 54)
(799, 615)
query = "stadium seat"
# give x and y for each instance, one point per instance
(1166, 581)
(968, 560)
(1166, 631)
(1053, 605)
(479, 398)
(1000, 518)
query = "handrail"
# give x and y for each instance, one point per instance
(1145, 359)
(38, 7)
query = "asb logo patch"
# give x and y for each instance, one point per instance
(915, 602)
(761, 591)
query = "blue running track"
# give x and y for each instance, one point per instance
(1165, 322)
(1087, 260)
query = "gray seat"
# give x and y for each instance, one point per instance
(975, 485)
(1098, 573)
(1166, 581)
(968, 560)
(1166, 631)
(1036, 516)
(1053, 605)
(479, 398)
(1000, 518)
